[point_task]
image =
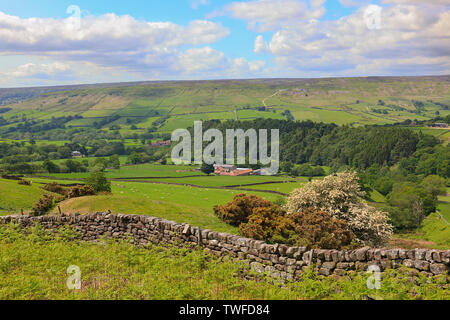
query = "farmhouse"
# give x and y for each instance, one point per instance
(440, 125)
(77, 154)
(223, 169)
(162, 143)
(231, 170)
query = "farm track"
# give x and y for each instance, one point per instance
(136, 180)
(443, 133)
(273, 95)
(442, 218)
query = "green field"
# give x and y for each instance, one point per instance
(14, 197)
(143, 170)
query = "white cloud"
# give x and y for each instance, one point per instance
(423, 2)
(409, 34)
(261, 46)
(268, 15)
(211, 62)
(40, 71)
(202, 59)
(111, 45)
(108, 40)
(105, 32)
(256, 66)
(195, 4)
(32, 69)
(354, 3)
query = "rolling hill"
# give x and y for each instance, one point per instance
(164, 106)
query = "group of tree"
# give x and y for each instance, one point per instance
(67, 166)
(320, 144)
(21, 157)
(304, 170)
(410, 198)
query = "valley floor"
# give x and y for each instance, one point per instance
(183, 195)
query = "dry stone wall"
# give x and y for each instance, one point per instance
(278, 260)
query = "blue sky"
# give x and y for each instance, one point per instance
(42, 44)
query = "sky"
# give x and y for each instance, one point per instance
(51, 42)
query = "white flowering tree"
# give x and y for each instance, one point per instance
(340, 195)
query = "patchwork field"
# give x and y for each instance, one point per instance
(356, 101)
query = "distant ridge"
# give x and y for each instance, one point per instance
(11, 95)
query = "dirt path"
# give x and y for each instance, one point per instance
(273, 95)
(442, 218)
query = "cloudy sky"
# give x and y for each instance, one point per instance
(51, 42)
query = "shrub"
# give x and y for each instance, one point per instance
(43, 205)
(401, 218)
(55, 188)
(317, 229)
(24, 182)
(207, 168)
(240, 208)
(340, 196)
(311, 228)
(262, 220)
(80, 191)
(98, 181)
(59, 198)
(267, 223)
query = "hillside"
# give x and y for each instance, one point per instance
(137, 108)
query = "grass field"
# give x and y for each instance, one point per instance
(144, 170)
(34, 267)
(14, 197)
(434, 231)
(177, 203)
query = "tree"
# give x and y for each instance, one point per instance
(98, 181)
(286, 167)
(114, 161)
(135, 158)
(434, 185)
(340, 196)
(318, 172)
(50, 166)
(383, 185)
(207, 168)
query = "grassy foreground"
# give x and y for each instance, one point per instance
(33, 266)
